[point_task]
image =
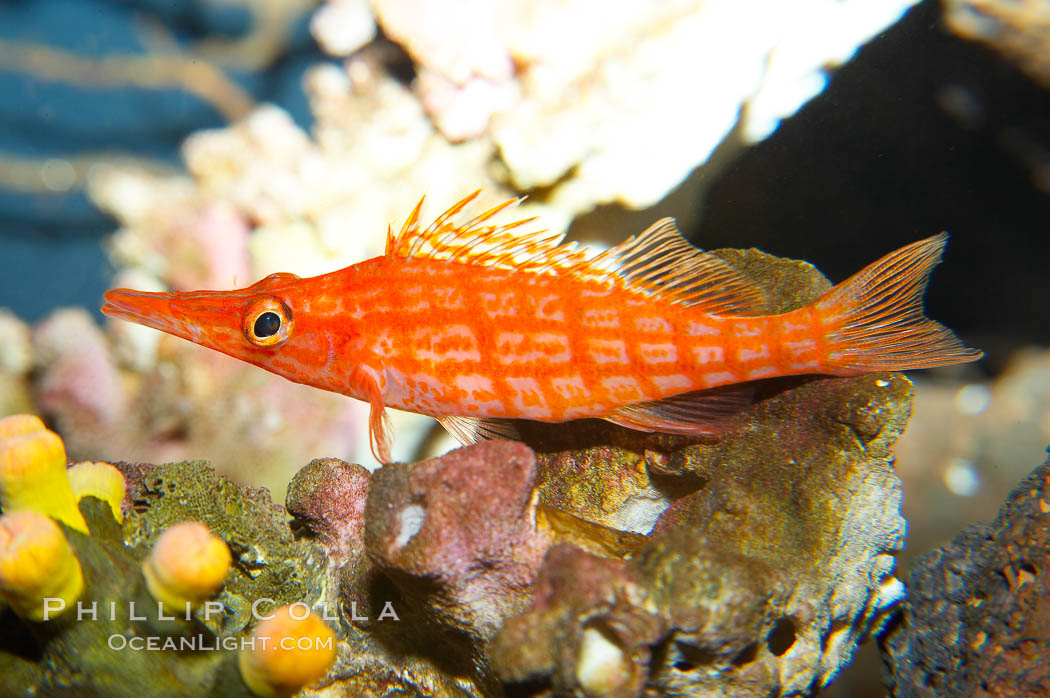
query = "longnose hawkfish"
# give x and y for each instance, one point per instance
(478, 323)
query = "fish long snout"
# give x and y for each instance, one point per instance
(144, 307)
(200, 317)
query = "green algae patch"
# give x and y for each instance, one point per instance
(268, 561)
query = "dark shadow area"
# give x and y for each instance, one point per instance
(878, 161)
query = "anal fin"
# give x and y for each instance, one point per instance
(699, 412)
(470, 430)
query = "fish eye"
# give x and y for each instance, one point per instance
(268, 322)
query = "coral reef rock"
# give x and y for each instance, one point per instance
(92, 650)
(976, 619)
(505, 69)
(760, 582)
(460, 530)
(329, 496)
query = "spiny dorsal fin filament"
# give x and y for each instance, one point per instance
(659, 263)
(481, 242)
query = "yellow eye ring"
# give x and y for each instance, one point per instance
(268, 322)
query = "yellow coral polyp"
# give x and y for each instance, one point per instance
(186, 566)
(100, 480)
(292, 648)
(37, 564)
(33, 471)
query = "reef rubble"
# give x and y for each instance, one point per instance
(759, 582)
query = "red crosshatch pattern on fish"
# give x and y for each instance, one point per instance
(478, 322)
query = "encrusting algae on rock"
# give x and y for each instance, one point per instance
(86, 604)
(975, 621)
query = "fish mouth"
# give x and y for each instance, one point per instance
(142, 307)
(184, 315)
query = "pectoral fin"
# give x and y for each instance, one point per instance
(379, 432)
(371, 383)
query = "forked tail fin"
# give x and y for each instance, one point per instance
(875, 320)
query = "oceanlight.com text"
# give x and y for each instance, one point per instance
(204, 643)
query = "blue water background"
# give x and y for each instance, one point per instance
(50, 244)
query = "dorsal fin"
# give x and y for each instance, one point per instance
(481, 242)
(658, 263)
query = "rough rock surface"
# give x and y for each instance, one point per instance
(329, 495)
(760, 582)
(587, 629)
(460, 532)
(977, 618)
(269, 561)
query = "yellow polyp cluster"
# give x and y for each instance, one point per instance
(291, 648)
(100, 480)
(33, 471)
(37, 564)
(186, 566)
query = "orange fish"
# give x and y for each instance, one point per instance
(475, 323)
